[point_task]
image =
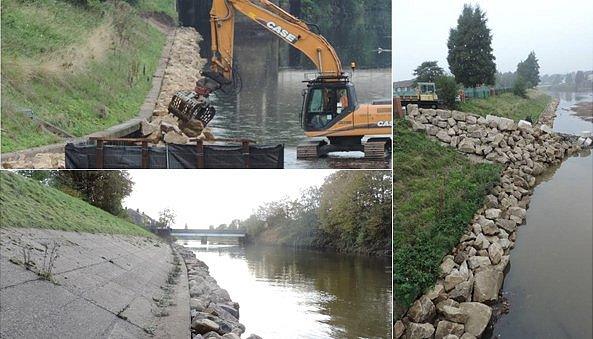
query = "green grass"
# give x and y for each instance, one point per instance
(159, 6)
(119, 80)
(509, 105)
(29, 204)
(436, 193)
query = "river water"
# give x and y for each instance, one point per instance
(268, 107)
(290, 293)
(549, 284)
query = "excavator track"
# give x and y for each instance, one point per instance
(374, 150)
(309, 150)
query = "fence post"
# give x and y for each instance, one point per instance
(145, 160)
(200, 154)
(99, 154)
(245, 145)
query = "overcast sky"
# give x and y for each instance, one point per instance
(203, 198)
(560, 33)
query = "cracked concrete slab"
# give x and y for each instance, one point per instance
(101, 286)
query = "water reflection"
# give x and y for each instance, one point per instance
(289, 293)
(269, 112)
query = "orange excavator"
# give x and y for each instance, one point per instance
(330, 110)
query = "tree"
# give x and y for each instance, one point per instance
(447, 90)
(505, 80)
(529, 70)
(470, 52)
(166, 218)
(355, 210)
(103, 189)
(520, 87)
(428, 71)
(579, 79)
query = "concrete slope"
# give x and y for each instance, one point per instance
(100, 286)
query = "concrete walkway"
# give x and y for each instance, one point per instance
(101, 286)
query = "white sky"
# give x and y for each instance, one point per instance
(560, 33)
(203, 198)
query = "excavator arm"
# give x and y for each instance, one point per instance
(273, 18)
(194, 105)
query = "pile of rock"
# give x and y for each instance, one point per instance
(213, 313)
(549, 114)
(166, 129)
(183, 67)
(459, 305)
(182, 72)
(38, 161)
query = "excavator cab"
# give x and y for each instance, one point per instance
(327, 102)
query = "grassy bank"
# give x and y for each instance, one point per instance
(27, 203)
(437, 191)
(509, 105)
(81, 68)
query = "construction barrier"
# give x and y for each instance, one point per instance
(102, 154)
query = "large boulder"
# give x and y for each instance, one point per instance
(492, 213)
(398, 329)
(454, 314)
(467, 145)
(447, 265)
(419, 331)
(488, 226)
(487, 284)
(422, 310)
(453, 279)
(443, 136)
(495, 253)
(173, 137)
(462, 291)
(478, 317)
(445, 328)
(203, 326)
(477, 261)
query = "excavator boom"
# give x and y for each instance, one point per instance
(276, 20)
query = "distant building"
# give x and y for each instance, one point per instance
(141, 219)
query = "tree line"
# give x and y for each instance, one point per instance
(103, 189)
(349, 212)
(472, 62)
(356, 28)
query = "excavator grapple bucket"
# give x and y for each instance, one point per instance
(187, 105)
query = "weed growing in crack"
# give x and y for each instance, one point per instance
(50, 255)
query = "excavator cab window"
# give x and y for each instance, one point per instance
(326, 104)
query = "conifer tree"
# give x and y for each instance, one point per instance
(529, 70)
(470, 52)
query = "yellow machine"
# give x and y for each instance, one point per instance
(330, 107)
(424, 95)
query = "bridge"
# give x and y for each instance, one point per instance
(203, 235)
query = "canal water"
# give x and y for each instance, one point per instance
(550, 281)
(291, 293)
(268, 107)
